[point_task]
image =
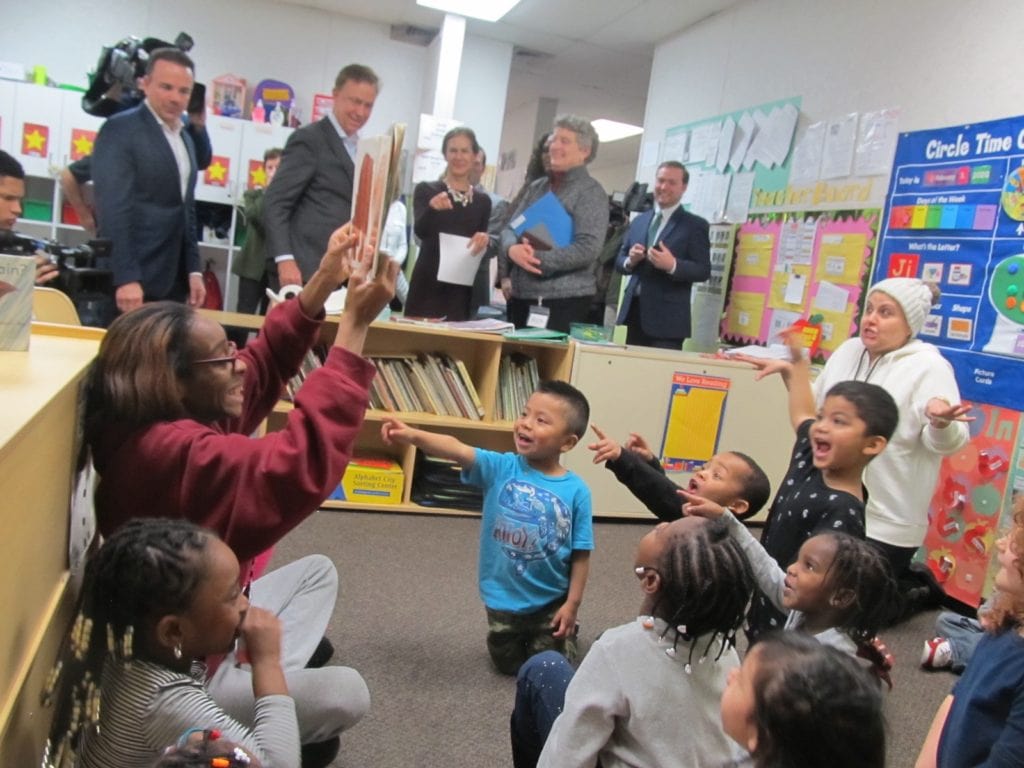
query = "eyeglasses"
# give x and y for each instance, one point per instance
(230, 357)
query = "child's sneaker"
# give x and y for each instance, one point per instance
(937, 654)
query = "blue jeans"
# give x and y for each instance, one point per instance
(963, 634)
(540, 696)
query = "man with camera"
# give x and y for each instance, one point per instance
(12, 192)
(144, 169)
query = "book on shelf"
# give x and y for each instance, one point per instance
(518, 377)
(437, 483)
(432, 366)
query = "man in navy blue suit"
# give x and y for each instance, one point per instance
(144, 169)
(665, 251)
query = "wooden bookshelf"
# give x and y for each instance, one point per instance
(480, 352)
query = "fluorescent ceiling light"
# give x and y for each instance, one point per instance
(487, 10)
(612, 130)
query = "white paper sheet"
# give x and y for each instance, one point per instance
(741, 142)
(840, 138)
(806, 163)
(725, 139)
(831, 298)
(675, 147)
(876, 142)
(457, 265)
(737, 205)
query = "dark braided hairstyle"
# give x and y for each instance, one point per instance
(706, 583)
(814, 706)
(147, 569)
(862, 569)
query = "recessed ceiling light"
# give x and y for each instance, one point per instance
(612, 130)
(487, 10)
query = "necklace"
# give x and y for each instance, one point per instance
(459, 197)
(871, 366)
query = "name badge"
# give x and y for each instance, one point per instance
(538, 317)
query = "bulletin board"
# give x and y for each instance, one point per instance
(790, 266)
(955, 217)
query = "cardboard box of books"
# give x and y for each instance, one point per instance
(17, 274)
(371, 480)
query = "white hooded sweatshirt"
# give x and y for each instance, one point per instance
(901, 480)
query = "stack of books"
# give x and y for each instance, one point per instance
(518, 377)
(436, 484)
(425, 383)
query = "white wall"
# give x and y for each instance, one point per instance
(942, 62)
(483, 86)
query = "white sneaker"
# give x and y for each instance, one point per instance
(937, 654)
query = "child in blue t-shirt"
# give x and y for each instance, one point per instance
(537, 530)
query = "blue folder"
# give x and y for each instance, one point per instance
(545, 224)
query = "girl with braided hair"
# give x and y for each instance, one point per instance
(840, 589)
(647, 694)
(159, 596)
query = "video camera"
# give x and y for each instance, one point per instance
(83, 273)
(113, 86)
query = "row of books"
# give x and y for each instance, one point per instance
(426, 383)
(314, 359)
(517, 378)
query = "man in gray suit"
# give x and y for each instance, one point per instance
(311, 195)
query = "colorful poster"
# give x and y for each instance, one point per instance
(800, 266)
(968, 508)
(694, 421)
(955, 216)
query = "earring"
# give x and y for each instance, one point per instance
(177, 651)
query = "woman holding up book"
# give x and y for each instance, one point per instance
(449, 206)
(171, 408)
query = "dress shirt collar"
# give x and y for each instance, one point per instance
(175, 129)
(349, 140)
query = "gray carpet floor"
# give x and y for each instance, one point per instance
(410, 620)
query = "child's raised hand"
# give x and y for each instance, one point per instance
(765, 367)
(394, 431)
(637, 444)
(564, 622)
(605, 449)
(698, 505)
(261, 635)
(940, 412)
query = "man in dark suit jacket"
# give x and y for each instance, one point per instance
(665, 252)
(144, 169)
(311, 195)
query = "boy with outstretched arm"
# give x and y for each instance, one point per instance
(822, 489)
(730, 478)
(536, 534)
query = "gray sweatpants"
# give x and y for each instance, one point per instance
(328, 700)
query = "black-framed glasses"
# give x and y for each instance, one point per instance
(230, 357)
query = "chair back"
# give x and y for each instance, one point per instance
(52, 306)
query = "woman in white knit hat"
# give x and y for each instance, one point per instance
(900, 481)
